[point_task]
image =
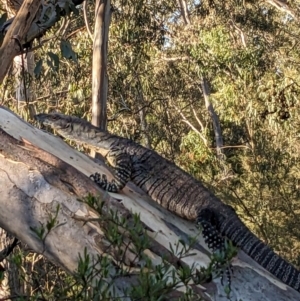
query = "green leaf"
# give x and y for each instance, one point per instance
(53, 61)
(38, 68)
(67, 51)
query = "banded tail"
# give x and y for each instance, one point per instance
(243, 238)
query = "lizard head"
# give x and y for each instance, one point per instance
(65, 125)
(54, 120)
(78, 130)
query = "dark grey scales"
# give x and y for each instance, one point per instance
(172, 188)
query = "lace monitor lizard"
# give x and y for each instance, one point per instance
(173, 189)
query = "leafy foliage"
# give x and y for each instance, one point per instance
(249, 53)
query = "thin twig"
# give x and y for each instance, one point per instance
(184, 119)
(197, 118)
(86, 21)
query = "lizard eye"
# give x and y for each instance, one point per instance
(69, 126)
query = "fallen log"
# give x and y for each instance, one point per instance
(41, 177)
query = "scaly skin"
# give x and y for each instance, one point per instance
(173, 189)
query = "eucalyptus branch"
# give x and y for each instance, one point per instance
(86, 21)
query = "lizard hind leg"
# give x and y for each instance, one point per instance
(208, 220)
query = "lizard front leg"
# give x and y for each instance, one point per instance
(121, 163)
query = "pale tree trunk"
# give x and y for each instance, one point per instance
(144, 127)
(33, 183)
(141, 108)
(23, 72)
(99, 72)
(214, 117)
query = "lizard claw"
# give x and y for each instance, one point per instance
(101, 181)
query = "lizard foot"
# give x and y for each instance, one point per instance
(220, 264)
(101, 181)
